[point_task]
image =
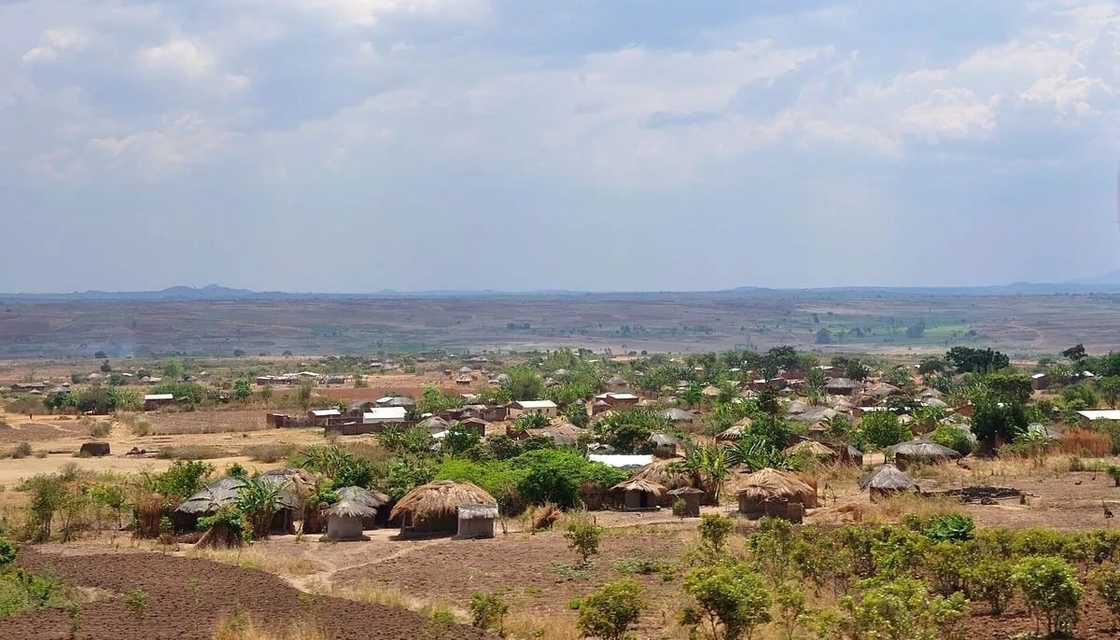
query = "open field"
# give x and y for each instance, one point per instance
(858, 320)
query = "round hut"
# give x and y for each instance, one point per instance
(855, 456)
(920, 452)
(638, 495)
(207, 502)
(885, 481)
(664, 445)
(433, 508)
(346, 518)
(691, 499)
(668, 473)
(769, 492)
(734, 432)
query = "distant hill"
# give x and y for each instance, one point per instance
(1111, 278)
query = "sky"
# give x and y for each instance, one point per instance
(362, 145)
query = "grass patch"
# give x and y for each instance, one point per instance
(242, 627)
(274, 563)
(269, 452)
(193, 452)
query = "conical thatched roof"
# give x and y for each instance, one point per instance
(922, 450)
(562, 434)
(887, 478)
(636, 484)
(356, 502)
(441, 499)
(434, 424)
(216, 495)
(771, 483)
(666, 473)
(732, 433)
(663, 440)
(812, 448)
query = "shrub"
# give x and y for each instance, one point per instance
(7, 553)
(269, 452)
(1051, 591)
(1114, 473)
(100, 429)
(902, 608)
(680, 507)
(258, 499)
(20, 590)
(730, 600)
(1106, 581)
(883, 429)
(950, 526)
(991, 581)
(488, 611)
(947, 564)
(952, 437)
(181, 480)
(714, 530)
(583, 537)
(21, 450)
(610, 611)
(137, 602)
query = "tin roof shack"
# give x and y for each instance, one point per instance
(375, 420)
(476, 521)
(618, 399)
(154, 401)
(546, 408)
(322, 417)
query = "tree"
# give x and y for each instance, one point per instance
(902, 608)
(1009, 386)
(882, 429)
(824, 336)
(1109, 388)
(995, 422)
(730, 601)
(524, 384)
(266, 393)
(488, 611)
(609, 612)
(931, 364)
(856, 370)
(1075, 353)
(258, 499)
(970, 360)
(709, 465)
(241, 389)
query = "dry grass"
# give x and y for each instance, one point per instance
(269, 452)
(193, 452)
(240, 627)
(1085, 443)
(285, 565)
(541, 626)
(392, 597)
(892, 509)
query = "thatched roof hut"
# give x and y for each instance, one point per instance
(434, 507)
(434, 424)
(734, 432)
(667, 473)
(813, 449)
(347, 516)
(920, 452)
(563, 435)
(639, 495)
(690, 497)
(886, 480)
(771, 485)
(476, 521)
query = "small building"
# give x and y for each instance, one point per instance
(476, 521)
(153, 401)
(545, 408)
(621, 461)
(770, 492)
(473, 425)
(920, 452)
(840, 387)
(638, 495)
(885, 481)
(691, 497)
(347, 518)
(320, 417)
(617, 383)
(1040, 381)
(433, 508)
(1088, 417)
(679, 417)
(664, 445)
(618, 399)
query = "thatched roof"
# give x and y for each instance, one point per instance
(685, 491)
(673, 414)
(771, 483)
(636, 484)
(477, 512)
(356, 502)
(434, 424)
(663, 440)
(813, 448)
(441, 498)
(922, 450)
(666, 473)
(887, 478)
(562, 434)
(732, 433)
(213, 497)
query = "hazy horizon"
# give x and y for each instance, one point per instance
(352, 146)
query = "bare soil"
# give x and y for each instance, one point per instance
(188, 598)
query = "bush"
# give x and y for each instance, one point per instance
(1051, 591)
(488, 611)
(902, 608)
(20, 590)
(136, 601)
(100, 429)
(7, 553)
(731, 597)
(952, 437)
(1106, 581)
(269, 452)
(555, 475)
(583, 537)
(956, 527)
(609, 612)
(21, 450)
(714, 530)
(991, 581)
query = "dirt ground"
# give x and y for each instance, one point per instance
(188, 598)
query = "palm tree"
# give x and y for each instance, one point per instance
(754, 453)
(258, 500)
(709, 467)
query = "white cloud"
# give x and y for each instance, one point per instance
(365, 13)
(55, 43)
(181, 56)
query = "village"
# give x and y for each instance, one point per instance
(495, 489)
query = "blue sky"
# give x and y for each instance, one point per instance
(359, 145)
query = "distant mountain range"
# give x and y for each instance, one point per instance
(1107, 283)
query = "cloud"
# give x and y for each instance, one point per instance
(178, 56)
(55, 43)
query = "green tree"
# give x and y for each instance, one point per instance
(971, 360)
(259, 499)
(731, 600)
(583, 537)
(900, 609)
(524, 384)
(882, 429)
(1051, 591)
(241, 389)
(488, 611)
(609, 612)
(1109, 388)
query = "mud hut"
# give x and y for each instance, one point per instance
(207, 502)
(664, 445)
(433, 508)
(770, 486)
(691, 499)
(886, 481)
(476, 521)
(855, 456)
(346, 518)
(561, 435)
(734, 432)
(920, 452)
(638, 495)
